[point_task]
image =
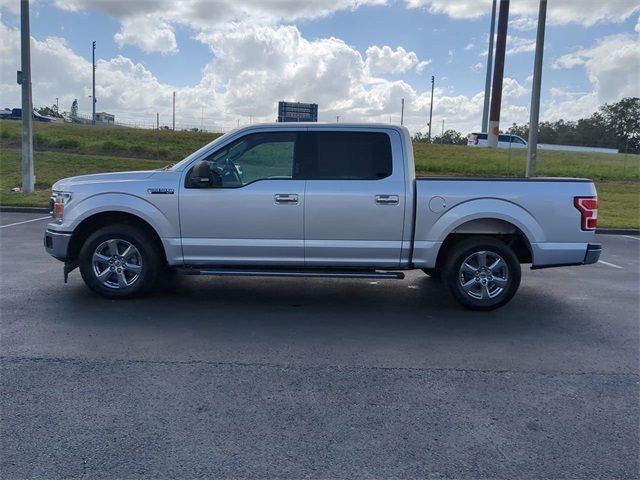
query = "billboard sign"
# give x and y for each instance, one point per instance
(297, 112)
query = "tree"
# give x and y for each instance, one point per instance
(613, 126)
(74, 109)
(451, 137)
(623, 118)
(49, 111)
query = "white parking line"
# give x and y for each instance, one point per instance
(629, 236)
(26, 221)
(610, 264)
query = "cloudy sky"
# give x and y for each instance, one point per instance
(231, 61)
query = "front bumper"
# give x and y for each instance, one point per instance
(593, 253)
(57, 244)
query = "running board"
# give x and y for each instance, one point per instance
(229, 272)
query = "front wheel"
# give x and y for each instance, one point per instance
(482, 273)
(119, 261)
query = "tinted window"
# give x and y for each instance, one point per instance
(348, 156)
(504, 138)
(482, 136)
(518, 140)
(258, 156)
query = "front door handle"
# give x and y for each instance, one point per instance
(286, 198)
(387, 199)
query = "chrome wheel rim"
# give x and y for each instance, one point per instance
(117, 263)
(483, 275)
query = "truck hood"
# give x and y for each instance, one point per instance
(67, 184)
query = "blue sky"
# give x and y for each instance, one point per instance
(208, 54)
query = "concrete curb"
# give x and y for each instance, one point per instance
(601, 231)
(618, 231)
(24, 209)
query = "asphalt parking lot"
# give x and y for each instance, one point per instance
(283, 378)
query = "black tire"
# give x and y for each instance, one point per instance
(433, 273)
(140, 268)
(484, 289)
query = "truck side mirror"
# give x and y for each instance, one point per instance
(202, 176)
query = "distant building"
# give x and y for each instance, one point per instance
(104, 117)
(297, 112)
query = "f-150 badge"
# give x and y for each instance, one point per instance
(160, 191)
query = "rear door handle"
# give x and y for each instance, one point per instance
(387, 199)
(286, 198)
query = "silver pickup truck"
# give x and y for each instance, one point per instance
(318, 200)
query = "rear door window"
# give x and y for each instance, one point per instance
(347, 156)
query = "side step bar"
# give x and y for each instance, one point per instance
(234, 272)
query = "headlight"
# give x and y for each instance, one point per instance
(58, 201)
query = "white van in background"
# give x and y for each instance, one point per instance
(504, 141)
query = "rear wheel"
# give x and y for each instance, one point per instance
(119, 261)
(482, 273)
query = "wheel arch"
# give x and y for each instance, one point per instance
(101, 219)
(497, 228)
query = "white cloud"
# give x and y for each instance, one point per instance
(140, 19)
(477, 67)
(638, 25)
(612, 68)
(385, 60)
(559, 12)
(149, 33)
(470, 46)
(524, 23)
(252, 68)
(12, 5)
(517, 45)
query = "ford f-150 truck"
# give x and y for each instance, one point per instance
(318, 200)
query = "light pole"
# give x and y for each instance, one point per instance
(487, 84)
(93, 97)
(535, 93)
(402, 113)
(498, 75)
(28, 179)
(433, 81)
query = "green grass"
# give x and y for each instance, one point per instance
(103, 140)
(461, 160)
(618, 205)
(52, 166)
(66, 150)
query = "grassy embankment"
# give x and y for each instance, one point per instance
(67, 150)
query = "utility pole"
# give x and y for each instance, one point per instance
(402, 113)
(442, 134)
(57, 106)
(433, 82)
(174, 111)
(93, 97)
(487, 84)
(28, 180)
(535, 92)
(337, 118)
(498, 75)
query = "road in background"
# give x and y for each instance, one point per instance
(254, 377)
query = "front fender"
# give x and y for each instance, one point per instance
(118, 202)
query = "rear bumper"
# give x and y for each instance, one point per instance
(593, 253)
(573, 257)
(57, 244)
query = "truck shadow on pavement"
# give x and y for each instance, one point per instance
(420, 305)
